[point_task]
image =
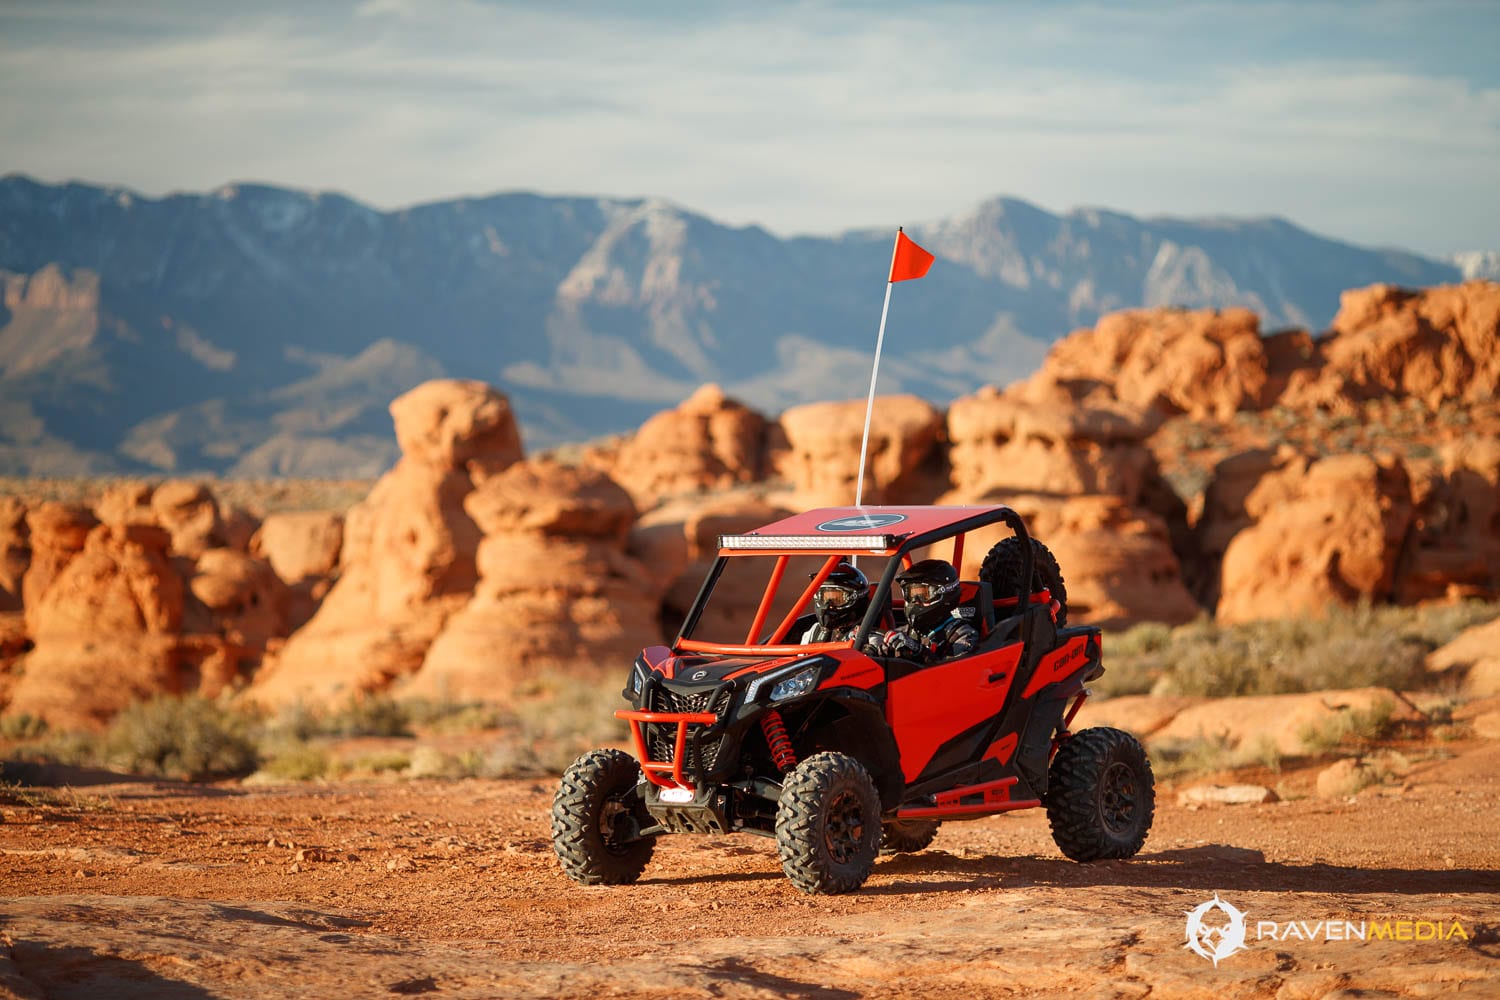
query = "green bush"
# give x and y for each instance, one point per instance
(181, 737)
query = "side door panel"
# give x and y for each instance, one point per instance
(942, 713)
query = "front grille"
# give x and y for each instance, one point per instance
(714, 700)
(661, 739)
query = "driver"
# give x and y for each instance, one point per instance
(839, 605)
(936, 627)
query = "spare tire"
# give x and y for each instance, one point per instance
(1004, 564)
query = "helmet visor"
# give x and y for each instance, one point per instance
(833, 596)
(919, 592)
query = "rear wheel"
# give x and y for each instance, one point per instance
(1101, 795)
(828, 824)
(1003, 568)
(907, 836)
(597, 818)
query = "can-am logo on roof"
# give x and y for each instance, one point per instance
(862, 522)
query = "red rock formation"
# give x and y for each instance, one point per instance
(105, 630)
(817, 449)
(1045, 437)
(15, 551)
(1324, 532)
(58, 532)
(1436, 345)
(1205, 363)
(709, 442)
(1454, 546)
(556, 591)
(189, 511)
(300, 545)
(408, 559)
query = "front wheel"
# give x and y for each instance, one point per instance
(597, 817)
(1101, 795)
(828, 824)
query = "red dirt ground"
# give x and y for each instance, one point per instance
(141, 890)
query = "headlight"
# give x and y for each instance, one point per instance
(796, 685)
(638, 678)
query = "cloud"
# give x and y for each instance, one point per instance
(804, 117)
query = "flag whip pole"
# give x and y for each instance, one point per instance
(864, 441)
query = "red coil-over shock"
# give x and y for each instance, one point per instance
(779, 742)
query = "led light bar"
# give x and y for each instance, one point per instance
(831, 542)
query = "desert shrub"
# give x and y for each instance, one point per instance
(1362, 646)
(1186, 758)
(1132, 659)
(369, 715)
(381, 762)
(1358, 727)
(430, 762)
(181, 737)
(297, 762)
(446, 716)
(22, 726)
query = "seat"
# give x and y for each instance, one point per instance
(980, 597)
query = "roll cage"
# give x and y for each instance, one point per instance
(839, 533)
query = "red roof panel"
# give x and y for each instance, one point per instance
(836, 521)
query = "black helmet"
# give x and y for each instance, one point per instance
(843, 598)
(930, 589)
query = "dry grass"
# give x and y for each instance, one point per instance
(1362, 646)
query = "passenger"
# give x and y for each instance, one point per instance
(840, 605)
(936, 627)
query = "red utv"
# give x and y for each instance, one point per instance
(839, 755)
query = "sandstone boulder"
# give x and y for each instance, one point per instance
(126, 502)
(1472, 660)
(1047, 437)
(709, 442)
(817, 450)
(1141, 714)
(556, 591)
(303, 549)
(1325, 532)
(300, 545)
(15, 552)
(1436, 344)
(1205, 363)
(106, 630)
(58, 533)
(1454, 546)
(191, 514)
(450, 423)
(1223, 515)
(1226, 795)
(408, 554)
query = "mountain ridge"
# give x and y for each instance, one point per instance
(163, 335)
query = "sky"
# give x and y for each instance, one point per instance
(1373, 122)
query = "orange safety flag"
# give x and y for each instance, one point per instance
(909, 261)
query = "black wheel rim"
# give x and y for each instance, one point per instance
(844, 831)
(1117, 797)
